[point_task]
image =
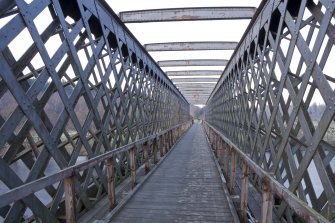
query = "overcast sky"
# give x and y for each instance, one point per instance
(188, 31)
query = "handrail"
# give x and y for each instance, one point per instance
(297, 205)
(37, 185)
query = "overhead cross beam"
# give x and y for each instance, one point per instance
(196, 86)
(201, 62)
(181, 46)
(195, 93)
(187, 14)
(174, 80)
(193, 72)
(192, 89)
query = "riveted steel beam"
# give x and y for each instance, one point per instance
(185, 91)
(201, 91)
(196, 95)
(196, 86)
(193, 72)
(187, 14)
(206, 79)
(201, 62)
(181, 46)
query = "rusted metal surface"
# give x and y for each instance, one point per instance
(181, 46)
(187, 14)
(200, 62)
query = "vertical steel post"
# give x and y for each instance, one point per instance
(233, 171)
(267, 201)
(244, 192)
(154, 148)
(132, 165)
(226, 165)
(161, 145)
(70, 199)
(110, 183)
(146, 157)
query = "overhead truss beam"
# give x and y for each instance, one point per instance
(182, 46)
(202, 62)
(187, 14)
(206, 79)
(193, 72)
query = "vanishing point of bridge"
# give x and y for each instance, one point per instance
(93, 130)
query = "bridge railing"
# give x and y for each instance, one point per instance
(275, 100)
(142, 152)
(227, 152)
(74, 84)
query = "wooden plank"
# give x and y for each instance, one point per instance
(176, 193)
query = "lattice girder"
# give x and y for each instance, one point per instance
(263, 101)
(82, 85)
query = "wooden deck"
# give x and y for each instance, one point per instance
(186, 187)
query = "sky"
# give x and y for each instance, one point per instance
(187, 31)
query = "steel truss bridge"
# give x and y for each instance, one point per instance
(89, 119)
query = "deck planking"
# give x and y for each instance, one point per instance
(185, 188)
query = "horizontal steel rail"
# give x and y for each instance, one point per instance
(24, 190)
(299, 207)
(194, 62)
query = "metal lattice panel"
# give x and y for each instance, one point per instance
(79, 86)
(265, 97)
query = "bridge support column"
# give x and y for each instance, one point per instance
(179, 132)
(233, 172)
(110, 183)
(226, 165)
(220, 152)
(132, 164)
(70, 199)
(216, 143)
(161, 145)
(165, 143)
(154, 150)
(146, 157)
(267, 202)
(244, 192)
